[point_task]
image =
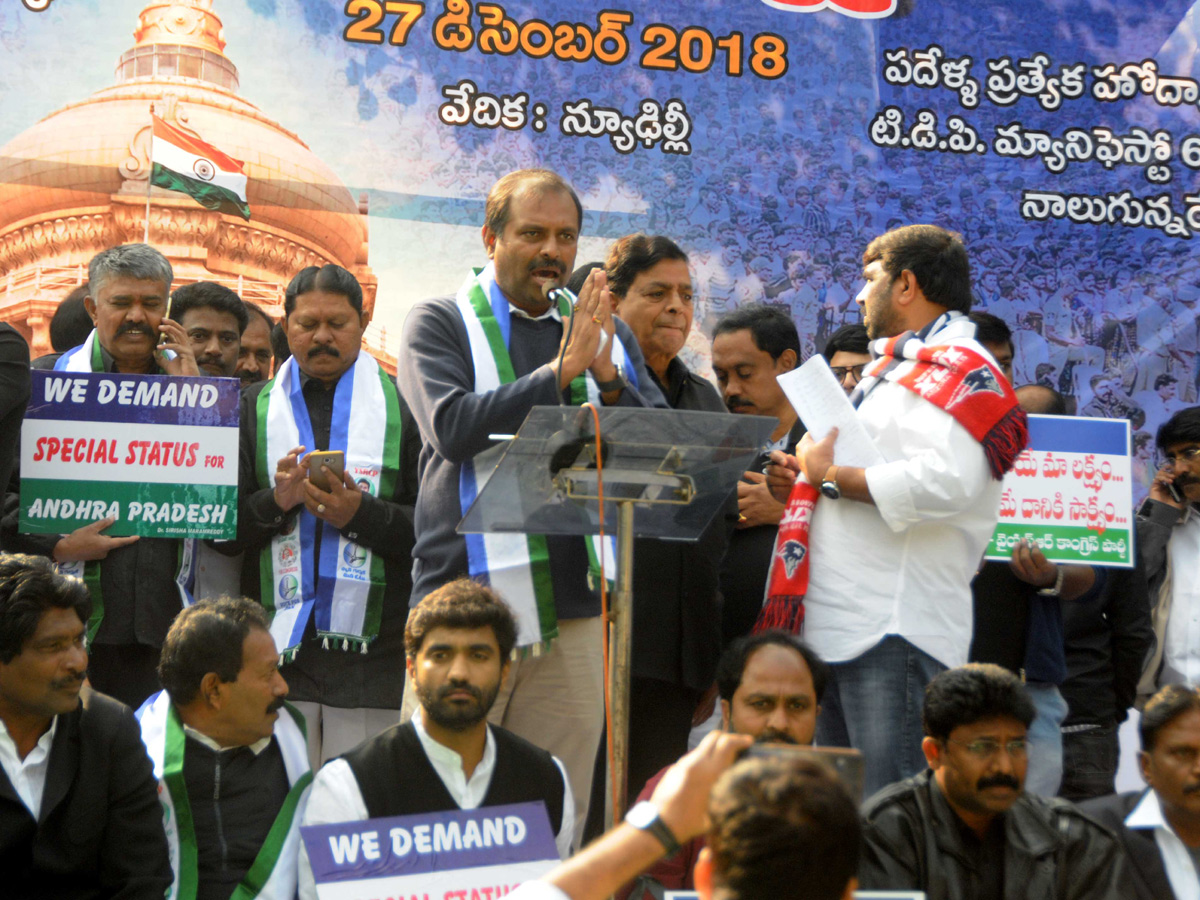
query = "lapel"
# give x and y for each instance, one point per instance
(8, 792)
(64, 760)
(1142, 850)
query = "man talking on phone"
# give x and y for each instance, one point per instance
(327, 483)
(1168, 540)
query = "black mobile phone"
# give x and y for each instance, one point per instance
(1175, 492)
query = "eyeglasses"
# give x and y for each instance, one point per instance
(1188, 455)
(840, 372)
(986, 748)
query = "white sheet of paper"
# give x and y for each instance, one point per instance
(821, 404)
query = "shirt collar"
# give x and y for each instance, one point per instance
(442, 753)
(256, 748)
(43, 742)
(1147, 814)
(487, 279)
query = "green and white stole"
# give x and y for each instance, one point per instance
(517, 566)
(88, 358)
(345, 588)
(272, 876)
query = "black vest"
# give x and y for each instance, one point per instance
(396, 778)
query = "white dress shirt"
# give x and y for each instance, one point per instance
(336, 797)
(1177, 861)
(1181, 649)
(904, 565)
(28, 775)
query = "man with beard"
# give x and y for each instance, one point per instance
(964, 828)
(1168, 542)
(458, 640)
(770, 686)
(229, 755)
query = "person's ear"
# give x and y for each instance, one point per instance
(726, 715)
(410, 666)
(210, 690)
(365, 319)
(933, 752)
(489, 241)
(787, 360)
(909, 291)
(90, 305)
(1143, 759)
(702, 874)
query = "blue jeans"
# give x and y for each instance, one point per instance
(873, 703)
(1045, 739)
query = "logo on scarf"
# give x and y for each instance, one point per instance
(287, 554)
(792, 553)
(976, 381)
(859, 9)
(355, 556)
(289, 585)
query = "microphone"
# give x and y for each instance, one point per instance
(553, 293)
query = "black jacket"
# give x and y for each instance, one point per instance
(911, 841)
(100, 834)
(1147, 876)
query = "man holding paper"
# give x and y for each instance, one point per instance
(885, 594)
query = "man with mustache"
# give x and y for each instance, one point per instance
(229, 754)
(329, 554)
(458, 639)
(473, 366)
(964, 829)
(1160, 826)
(751, 347)
(255, 356)
(78, 813)
(214, 319)
(1168, 541)
(135, 583)
(770, 685)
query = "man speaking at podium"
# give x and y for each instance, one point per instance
(474, 365)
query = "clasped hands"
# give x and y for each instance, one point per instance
(580, 349)
(337, 506)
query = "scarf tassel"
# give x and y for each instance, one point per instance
(1005, 441)
(785, 611)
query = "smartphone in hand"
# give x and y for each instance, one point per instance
(325, 466)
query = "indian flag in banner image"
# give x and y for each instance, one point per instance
(181, 162)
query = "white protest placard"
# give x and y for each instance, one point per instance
(461, 854)
(158, 453)
(1070, 492)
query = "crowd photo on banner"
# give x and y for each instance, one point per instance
(733, 449)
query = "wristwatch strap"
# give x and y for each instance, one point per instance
(645, 816)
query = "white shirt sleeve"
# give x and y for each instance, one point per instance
(566, 831)
(944, 471)
(538, 890)
(334, 797)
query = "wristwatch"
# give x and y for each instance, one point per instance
(645, 817)
(1056, 589)
(829, 487)
(616, 384)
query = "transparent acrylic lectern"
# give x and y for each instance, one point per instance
(666, 474)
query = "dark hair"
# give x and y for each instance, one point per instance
(331, 279)
(772, 329)
(848, 339)
(209, 295)
(1164, 708)
(279, 345)
(635, 253)
(1040, 400)
(1181, 428)
(935, 256)
(580, 275)
(461, 603)
(1164, 379)
(991, 331)
(138, 261)
(30, 586)
(732, 665)
(208, 636)
(70, 325)
(253, 309)
(779, 824)
(969, 693)
(538, 181)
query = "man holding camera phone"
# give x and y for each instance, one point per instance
(328, 534)
(1168, 539)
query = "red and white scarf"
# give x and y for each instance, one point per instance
(961, 381)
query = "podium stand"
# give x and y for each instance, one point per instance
(666, 474)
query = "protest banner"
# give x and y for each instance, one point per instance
(157, 453)
(1069, 493)
(462, 854)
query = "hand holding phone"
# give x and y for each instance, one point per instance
(324, 466)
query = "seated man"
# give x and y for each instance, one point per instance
(964, 828)
(781, 829)
(1160, 826)
(222, 751)
(458, 640)
(78, 814)
(770, 686)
